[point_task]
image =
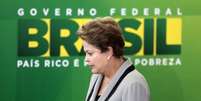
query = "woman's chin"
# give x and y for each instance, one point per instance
(94, 71)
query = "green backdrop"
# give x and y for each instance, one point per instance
(167, 83)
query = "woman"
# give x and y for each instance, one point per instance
(114, 78)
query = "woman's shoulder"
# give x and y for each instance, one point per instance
(135, 77)
(134, 84)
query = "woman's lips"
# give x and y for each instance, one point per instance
(91, 66)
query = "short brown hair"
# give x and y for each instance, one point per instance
(102, 33)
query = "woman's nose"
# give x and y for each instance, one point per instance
(86, 60)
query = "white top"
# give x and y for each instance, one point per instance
(133, 87)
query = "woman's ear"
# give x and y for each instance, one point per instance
(110, 52)
(108, 58)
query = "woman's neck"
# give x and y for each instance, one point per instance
(113, 67)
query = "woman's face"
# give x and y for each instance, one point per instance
(96, 60)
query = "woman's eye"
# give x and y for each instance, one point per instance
(90, 54)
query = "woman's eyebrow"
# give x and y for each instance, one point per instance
(87, 51)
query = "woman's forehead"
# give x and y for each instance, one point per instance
(89, 47)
